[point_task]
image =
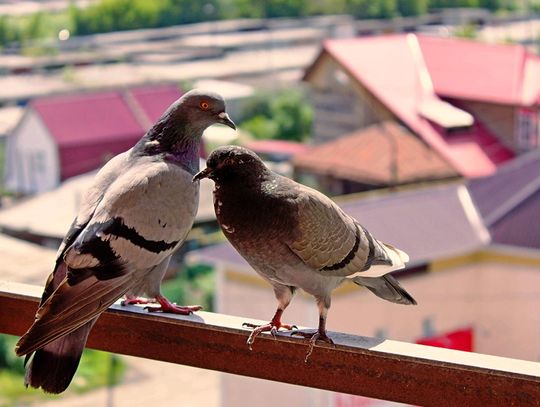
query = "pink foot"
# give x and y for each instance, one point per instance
(272, 327)
(166, 306)
(129, 300)
(313, 338)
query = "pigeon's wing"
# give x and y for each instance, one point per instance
(109, 249)
(334, 244)
(92, 197)
(145, 215)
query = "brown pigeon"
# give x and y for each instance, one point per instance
(135, 216)
(296, 237)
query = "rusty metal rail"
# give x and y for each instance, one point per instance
(383, 369)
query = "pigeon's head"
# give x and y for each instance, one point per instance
(230, 163)
(202, 109)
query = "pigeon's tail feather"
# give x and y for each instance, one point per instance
(386, 260)
(399, 257)
(387, 288)
(69, 308)
(52, 367)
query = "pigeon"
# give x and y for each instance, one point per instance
(296, 237)
(136, 214)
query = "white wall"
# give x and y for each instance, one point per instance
(32, 164)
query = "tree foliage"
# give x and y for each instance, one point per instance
(412, 7)
(371, 9)
(285, 115)
(116, 15)
(113, 15)
(9, 32)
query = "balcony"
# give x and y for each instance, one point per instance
(383, 369)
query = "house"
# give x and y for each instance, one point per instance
(475, 104)
(469, 287)
(9, 117)
(509, 202)
(379, 156)
(62, 136)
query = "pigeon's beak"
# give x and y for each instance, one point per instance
(202, 174)
(224, 118)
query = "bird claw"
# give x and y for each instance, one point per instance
(271, 327)
(134, 301)
(169, 307)
(313, 338)
(174, 309)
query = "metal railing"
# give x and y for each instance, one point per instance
(383, 369)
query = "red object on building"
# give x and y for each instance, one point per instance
(462, 339)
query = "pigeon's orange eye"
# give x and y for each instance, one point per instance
(204, 105)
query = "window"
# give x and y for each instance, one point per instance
(527, 129)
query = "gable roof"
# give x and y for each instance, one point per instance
(366, 156)
(89, 128)
(104, 116)
(154, 100)
(428, 224)
(87, 118)
(509, 201)
(397, 70)
(473, 70)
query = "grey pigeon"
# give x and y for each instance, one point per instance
(135, 216)
(296, 237)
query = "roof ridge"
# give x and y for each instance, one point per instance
(515, 164)
(473, 214)
(70, 97)
(135, 107)
(386, 195)
(510, 204)
(424, 79)
(521, 75)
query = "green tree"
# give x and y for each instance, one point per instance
(285, 115)
(174, 12)
(117, 15)
(435, 4)
(243, 8)
(317, 7)
(466, 31)
(371, 9)
(412, 7)
(3, 352)
(9, 32)
(492, 5)
(34, 26)
(285, 8)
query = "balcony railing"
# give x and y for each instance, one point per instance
(383, 369)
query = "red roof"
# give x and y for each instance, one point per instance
(89, 128)
(154, 100)
(364, 156)
(474, 70)
(88, 118)
(284, 147)
(404, 70)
